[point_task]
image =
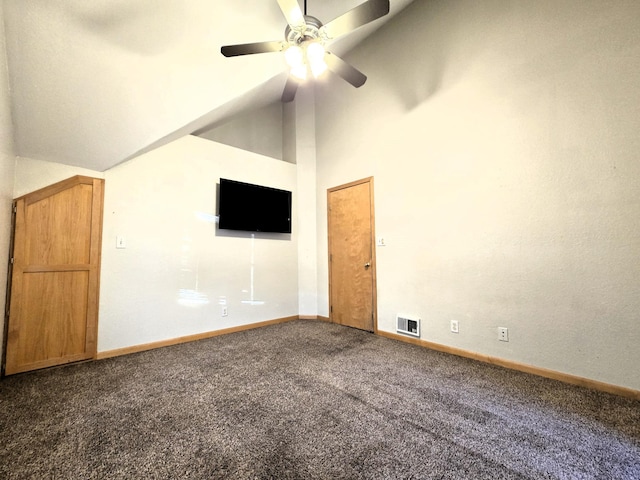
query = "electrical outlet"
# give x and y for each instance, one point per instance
(503, 334)
(224, 312)
(455, 328)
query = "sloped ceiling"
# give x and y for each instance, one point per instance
(94, 83)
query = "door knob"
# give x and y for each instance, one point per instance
(367, 265)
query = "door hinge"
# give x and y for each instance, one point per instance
(11, 261)
(15, 208)
(331, 308)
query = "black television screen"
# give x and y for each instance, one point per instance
(253, 208)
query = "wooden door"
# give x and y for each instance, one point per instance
(352, 279)
(53, 303)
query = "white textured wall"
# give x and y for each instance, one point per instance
(258, 131)
(503, 137)
(305, 158)
(7, 166)
(178, 268)
(32, 174)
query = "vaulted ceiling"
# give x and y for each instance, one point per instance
(94, 83)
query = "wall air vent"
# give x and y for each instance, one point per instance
(408, 326)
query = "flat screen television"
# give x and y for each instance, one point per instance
(253, 208)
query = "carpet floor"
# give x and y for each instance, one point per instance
(309, 400)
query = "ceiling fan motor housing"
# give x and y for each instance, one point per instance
(310, 31)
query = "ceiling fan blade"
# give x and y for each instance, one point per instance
(293, 14)
(251, 48)
(356, 17)
(351, 74)
(290, 89)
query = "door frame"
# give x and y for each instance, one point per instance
(5, 329)
(374, 287)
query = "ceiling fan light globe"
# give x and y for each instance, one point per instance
(299, 72)
(315, 52)
(318, 68)
(294, 56)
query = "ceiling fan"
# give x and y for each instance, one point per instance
(304, 43)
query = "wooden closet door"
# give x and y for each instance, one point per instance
(53, 307)
(352, 277)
